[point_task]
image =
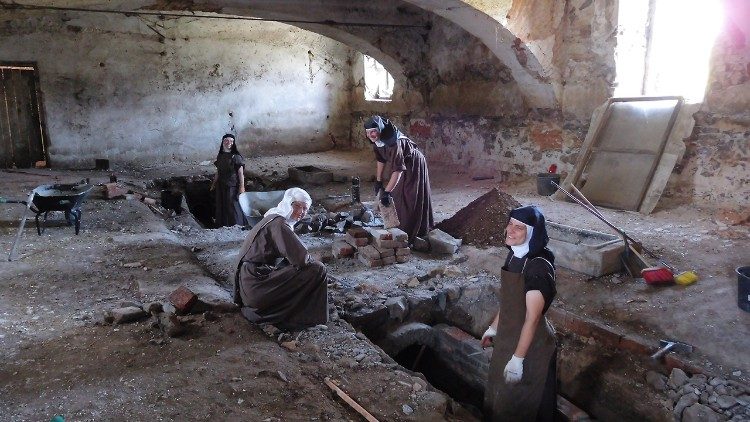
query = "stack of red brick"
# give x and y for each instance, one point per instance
(374, 247)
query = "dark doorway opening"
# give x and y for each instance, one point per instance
(22, 140)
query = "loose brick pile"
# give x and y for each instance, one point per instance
(373, 247)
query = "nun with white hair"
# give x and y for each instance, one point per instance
(522, 381)
(277, 282)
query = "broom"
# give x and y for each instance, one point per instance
(650, 274)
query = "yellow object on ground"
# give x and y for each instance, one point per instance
(686, 278)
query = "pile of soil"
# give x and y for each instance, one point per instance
(482, 222)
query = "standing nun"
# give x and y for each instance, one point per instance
(228, 183)
(401, 176)
(277, 282)
(522, 384)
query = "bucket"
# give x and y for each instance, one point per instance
(543, 185)
(743, 288)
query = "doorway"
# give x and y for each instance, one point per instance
(22, 140)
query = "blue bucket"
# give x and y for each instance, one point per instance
(743, 288)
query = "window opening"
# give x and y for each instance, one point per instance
(378, 82)
(664, 47)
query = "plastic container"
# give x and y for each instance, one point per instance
(543, 185)
(743, 288)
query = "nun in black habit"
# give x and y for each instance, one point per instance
(522, 382)
(228, 184)
(402, 178)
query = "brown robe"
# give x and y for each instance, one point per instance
(411, 196)
(533, 398)
(227, 211)
(292, 293)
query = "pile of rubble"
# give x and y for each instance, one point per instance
(482, 222)
(373, 247)
(319, 219)
(702, 398)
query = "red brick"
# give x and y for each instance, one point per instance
(369, 252)
(382, 234)
(341, 248)
(370, 262)
(399, 234)
(672, 361)
(632, 345)
(388, 260)
(183, 299)
(113, 190)
(356, 241)
(357, 232)
(386, 251)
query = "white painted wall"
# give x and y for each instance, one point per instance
(112, 89)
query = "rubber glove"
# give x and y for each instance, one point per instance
(378, 186)
(488, 336)
(513, 370)
(385, 199)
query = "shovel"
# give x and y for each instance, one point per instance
(23, 222)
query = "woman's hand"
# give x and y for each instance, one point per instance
(488, 336)
(513, 370)
(242, 189)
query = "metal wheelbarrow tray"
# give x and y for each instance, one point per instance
(59, 197)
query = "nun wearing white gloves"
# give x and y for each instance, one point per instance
(522, 382)
(277, 282)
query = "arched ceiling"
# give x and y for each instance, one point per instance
(399, 44)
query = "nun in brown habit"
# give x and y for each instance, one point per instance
(522, 382)
(276, 280)
(228, 184)
(402, 177)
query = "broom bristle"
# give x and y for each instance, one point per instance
(657, 275)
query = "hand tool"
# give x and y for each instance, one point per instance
(667, 346)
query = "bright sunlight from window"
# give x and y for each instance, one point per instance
(378, 82)
(677, 53)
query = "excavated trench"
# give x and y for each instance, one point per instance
(437, 334)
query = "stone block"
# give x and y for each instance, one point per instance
(371, 263)
(388, 260)
(403, 251)
(398, 307)
(403, 258)
(384, 252)
(342, 249)
(356, 241)
(443, 243)
(421, 245)
(399, 234)
(127, 314)
(183, 299)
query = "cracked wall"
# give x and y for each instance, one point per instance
(141, 90)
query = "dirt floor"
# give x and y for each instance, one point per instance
(60, 357)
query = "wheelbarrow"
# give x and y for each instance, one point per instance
(47, 198)
(67, 198)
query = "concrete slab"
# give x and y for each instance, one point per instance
(586, 251)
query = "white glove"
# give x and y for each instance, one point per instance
(513, 370)
(491, 332)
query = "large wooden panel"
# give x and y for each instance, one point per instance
(20, 125)
(618, 166)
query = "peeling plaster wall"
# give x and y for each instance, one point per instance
(716, 165)
(113, 89)
(475, 120)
